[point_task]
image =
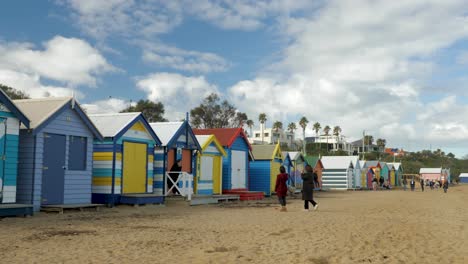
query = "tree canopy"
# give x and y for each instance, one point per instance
(13, 93)
(153, 112)
(214, 113)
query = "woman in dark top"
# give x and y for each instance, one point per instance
(308, 185)
(281, 188)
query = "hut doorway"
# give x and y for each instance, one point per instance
(217, 173)
(134, 167)
(238, 172)
(53, 170)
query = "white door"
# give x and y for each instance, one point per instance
(238, 171)
(206, 173)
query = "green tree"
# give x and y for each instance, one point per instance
(368, 140)
(214, 113)
(153, 112)
(337, 132)
(277, 125)
(326, 130)
(381, 143)
(317, 128)
(13, 93)
(262, 118)
(250, 124)
(303, 123)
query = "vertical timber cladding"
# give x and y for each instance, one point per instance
(238, 169)
(134, 167)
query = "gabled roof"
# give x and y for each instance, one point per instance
(286, 157)
(312, 160)
(169, 132)
(116, 124)
(355, 161)
(430, 170)
(295, 155)
(41, 111)
(396, 165)
(463, 175)
(362, 163)
(12, 107)
(266, 152)
(383, 164)
(226, 136)
(372, 164)
(337, 162)
(206, 140)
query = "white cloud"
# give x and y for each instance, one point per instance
(178, 93)
(111, 105)
(347, 66)
(68, 60)
(179, 59)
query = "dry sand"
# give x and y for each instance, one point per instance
(349, 227)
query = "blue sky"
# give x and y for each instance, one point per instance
(400, 75)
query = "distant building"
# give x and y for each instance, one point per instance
(357, 147)
(272, 136)
(395, 152)
(335, 142)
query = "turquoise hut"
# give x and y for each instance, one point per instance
(55, 153)
(123, 161)
(11, 118)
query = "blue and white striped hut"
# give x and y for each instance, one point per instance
(123, 161)
(338, 172)
(177, 142)
(10, 120)
(55, 153)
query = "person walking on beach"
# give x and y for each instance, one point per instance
(412, 184)
(281, 188)
(405, 182)
(381, 181)
(308, 188)
(422, 184)
(445, 186)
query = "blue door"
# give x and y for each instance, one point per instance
(3, 123)
(53, 170)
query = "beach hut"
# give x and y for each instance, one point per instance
(398, 171)
(384, 171)
(178, 142)
(430, 173)
(298, 163)
(123, 161)
(209, 164)
(315, 163)
(463, 177)
(265, 168)
(338, 172)
(236, 163)
(287, 162)
(11, 118)
(371, 169)
(356, 181)
(55, 153)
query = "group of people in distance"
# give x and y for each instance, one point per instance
(432, 184)
(309, 180)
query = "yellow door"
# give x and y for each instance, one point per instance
(392, 178)
(134, 168)
(273, 173)
(217, 161)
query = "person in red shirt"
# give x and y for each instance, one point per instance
(281, 188)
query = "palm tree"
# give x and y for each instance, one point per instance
(317, 128)
(336, 132)
(381, 143)
(276, 126)
(327, 129)
(303, 123)
(262, 118)
(291, 128)
(250, 124)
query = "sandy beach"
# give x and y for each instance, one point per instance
(349, 227)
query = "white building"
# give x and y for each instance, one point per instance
(271, 136)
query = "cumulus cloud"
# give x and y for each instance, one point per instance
(111, 105)
(347, 66)
(67, 60)
(178, 93)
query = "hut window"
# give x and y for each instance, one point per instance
(77, 153)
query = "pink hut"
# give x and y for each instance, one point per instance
(430, 173)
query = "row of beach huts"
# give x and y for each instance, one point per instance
(54, 154)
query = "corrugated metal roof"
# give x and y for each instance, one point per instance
(166, 130)
(263, 152)
(430, 170)
(111, 124)
(336, 162)
(39, 110)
